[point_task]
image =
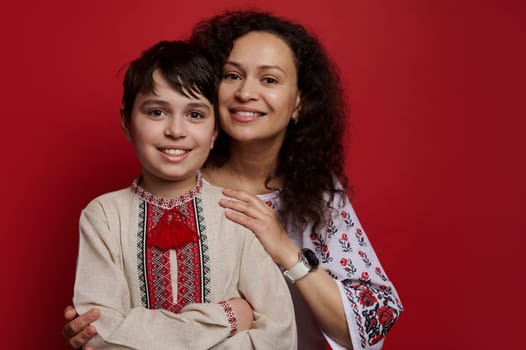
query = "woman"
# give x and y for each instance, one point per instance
(282, 112)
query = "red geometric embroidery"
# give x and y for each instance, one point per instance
(159, 271)
(159, 281)
(188, 276)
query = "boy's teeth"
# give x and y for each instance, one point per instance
(174, 152)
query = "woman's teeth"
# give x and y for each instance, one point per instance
(248, 114)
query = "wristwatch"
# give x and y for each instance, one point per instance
(307, 262)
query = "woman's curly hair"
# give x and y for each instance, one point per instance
(312, 152)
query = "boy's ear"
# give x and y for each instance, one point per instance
(125, 125)
(214, 137)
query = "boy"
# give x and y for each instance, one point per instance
(159, 259)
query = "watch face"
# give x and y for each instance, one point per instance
(311, 257)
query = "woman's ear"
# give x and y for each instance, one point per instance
(297, 108)
(125, 124)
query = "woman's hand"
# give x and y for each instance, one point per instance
(78, 329)
(248, 210)
(318, 289)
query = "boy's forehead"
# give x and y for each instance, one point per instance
(172, 96)
(161, 86)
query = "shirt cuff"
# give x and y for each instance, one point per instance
(231, 317)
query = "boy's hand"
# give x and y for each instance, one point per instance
(78, 330)
(244, 313)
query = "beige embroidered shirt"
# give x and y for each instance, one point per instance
(174, 299)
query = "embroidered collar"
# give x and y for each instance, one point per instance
(164, 202)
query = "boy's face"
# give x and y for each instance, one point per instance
(172, 135)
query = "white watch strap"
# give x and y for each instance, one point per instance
(297, 271)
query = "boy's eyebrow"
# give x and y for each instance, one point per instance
(198, 105)
(153, 101)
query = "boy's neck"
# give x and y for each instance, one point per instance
(167, 189)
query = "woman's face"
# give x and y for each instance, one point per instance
(258, 93)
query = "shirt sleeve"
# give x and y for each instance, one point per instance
(262, 285)
(100, 282)
(371, 303)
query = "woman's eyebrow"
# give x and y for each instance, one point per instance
(262, 67)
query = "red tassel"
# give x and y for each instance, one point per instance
(170, 232)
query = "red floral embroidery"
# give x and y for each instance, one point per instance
(385, 315)
(344, 237)
(376, 339)
(367, 297)
(343, 262)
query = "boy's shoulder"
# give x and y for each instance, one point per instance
(214, 214)
(112, 199)
(211, 192)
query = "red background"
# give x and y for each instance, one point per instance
(435, 157)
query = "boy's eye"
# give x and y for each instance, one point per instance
(156, 112)
(196, 115)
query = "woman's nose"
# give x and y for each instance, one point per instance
(247, 90)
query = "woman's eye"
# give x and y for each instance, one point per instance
(269, 80)
(231, 76)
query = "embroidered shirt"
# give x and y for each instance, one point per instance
(370, 300)
(152, 298)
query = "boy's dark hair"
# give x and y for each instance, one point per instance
(184, 67)
(312, 150)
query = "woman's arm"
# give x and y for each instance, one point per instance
(350, 295)
(78, 329)
(370, 301)
(318, 289)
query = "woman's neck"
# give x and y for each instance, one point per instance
(248, 169)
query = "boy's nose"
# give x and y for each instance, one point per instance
(175, 127)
